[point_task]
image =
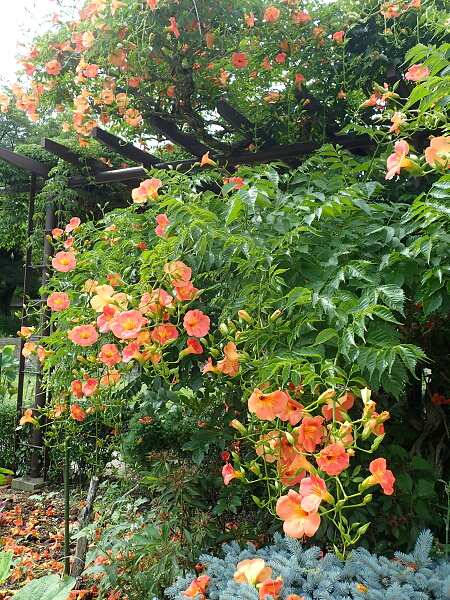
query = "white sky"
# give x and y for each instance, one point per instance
(19, 21)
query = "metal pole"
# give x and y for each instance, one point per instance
(66, 508)
(40, 392)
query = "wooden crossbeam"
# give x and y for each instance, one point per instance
(172, 133)
(265, 155)
(241, 124)
(78, 160)
(393, 75)
(313, 108)
(23, 162)
(241, 158)
(125, 149)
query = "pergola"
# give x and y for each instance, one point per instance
(100, 173)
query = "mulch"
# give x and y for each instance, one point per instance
(32, 526)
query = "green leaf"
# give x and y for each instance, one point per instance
(325, 335)
(417, 462)
(382, 312)
(198, 455)
(299, 295)
(432, 303)
(236, 207)
(399, 450)
(50, 587)
(424, 489)
(5, 565)
(404, 482)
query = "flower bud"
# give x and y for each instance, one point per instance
(290, 438)
(238, 425)
(377, 442)
(362, 530)
(223, 329)
(384, 416)
(255, 469)
(325, 395)
(243, 314)
(274, 316)
(365, 395)
(367, 499)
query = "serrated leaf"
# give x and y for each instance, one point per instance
(298, 295)
(383, 312)
(431, 303)
(443, 183)
(248, 196)
(393, 296)
(325, 335)
(236, 207)
(409, 355)
(272, 176)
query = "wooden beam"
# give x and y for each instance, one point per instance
(78, 160)
(172, 133)
(393, 76)
(124, 148)
(266, 155)
(240, 123)
(313, 108)
(23, 162)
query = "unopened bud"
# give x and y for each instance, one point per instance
(223, 329)
(362, 530)
(255, 469)
(274, 316)
(326, 395)
(290, 438)
(243, 314)
(365, 395)
(231, 326)
(238, 425)
(367, 499)
(383, 417)
(377, 442)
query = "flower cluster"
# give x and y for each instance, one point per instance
(437, 155)
(312, 451)
(119, 324)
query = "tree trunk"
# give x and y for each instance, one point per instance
(84, 519)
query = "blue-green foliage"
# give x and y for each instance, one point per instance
(309, 575)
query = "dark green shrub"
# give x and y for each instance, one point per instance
(9, 325)
(7, 427)
(149, 433)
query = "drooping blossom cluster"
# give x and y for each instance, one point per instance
(310, 451)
